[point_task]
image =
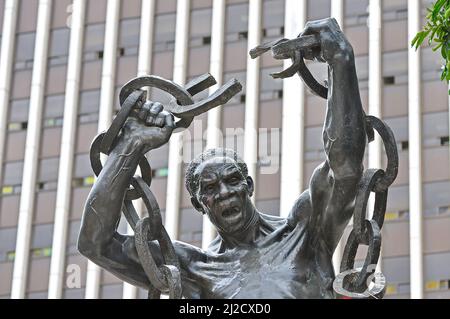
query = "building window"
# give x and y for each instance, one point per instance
(389, 80)
(41, 252)
(399, 215)
(94, 37)
(200, 27)
(47, 186)
(25, 50)
(59, 46)
(236, 18)
(53, 122)
(206, 40)
(164, 31)
(129, 33)
(83, 181)
(443, 210)
(161, 172)
(17, 126)
(243, 35)
(435, 284)
(11, 189)
(404, 145)
(391, 289)
(10, 255)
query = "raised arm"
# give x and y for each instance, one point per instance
(332, 190)
(98, 239)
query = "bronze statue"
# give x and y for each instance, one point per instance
(254, 255)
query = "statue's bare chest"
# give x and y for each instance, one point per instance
(276, 270)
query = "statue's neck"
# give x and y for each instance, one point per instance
(247, 235)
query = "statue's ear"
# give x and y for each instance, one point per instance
(250, 185)
(197, 205)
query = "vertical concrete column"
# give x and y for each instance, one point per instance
(31, 150)
(415, 154)
(337, 12)
(214, 134)
(66, 157)
(375, 87)
(293, 116)
(105, 112)
(144, 68)
(252, 90)
(6, 65)
(176, 141)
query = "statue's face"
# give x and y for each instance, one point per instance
(224, 194)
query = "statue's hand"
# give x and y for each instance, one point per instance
(151, 126)
(334, 46)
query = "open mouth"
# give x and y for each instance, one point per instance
(230, 212)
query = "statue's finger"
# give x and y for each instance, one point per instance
(143, 113)
(156, 108)
(150, 120)
(159, 121)
(170, 121)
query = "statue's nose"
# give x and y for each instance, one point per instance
(224, 190)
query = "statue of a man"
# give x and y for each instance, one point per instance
(254, 255)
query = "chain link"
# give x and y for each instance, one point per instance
(365, 282)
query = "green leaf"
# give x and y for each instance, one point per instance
(444, 51)
(437, 30)
(447, 13)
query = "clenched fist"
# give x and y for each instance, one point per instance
(151, 125)
(334, 46)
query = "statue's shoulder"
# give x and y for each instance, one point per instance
(188, 252)
(272, 220)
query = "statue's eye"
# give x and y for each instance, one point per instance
(209, 187)
(233, 180)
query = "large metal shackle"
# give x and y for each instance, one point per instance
(131, 97)
(294, 49)
(183, 106)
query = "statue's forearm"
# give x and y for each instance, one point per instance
(344, 130)
(104, 203)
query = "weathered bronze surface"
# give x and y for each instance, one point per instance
(254, 255)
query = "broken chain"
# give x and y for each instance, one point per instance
(150, 234)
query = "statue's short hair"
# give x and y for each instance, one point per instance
(230, 155)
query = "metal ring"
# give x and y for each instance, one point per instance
(151, 204)
(377, 291)
(310, 81)
(148, 229)
(96, 165)
(119, 120)
(178, 92)
(373, 233)
(367, 183)
(156, 277)
(390, 146)
(173, 278)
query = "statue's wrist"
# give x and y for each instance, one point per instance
(344, 57)
(131, 143)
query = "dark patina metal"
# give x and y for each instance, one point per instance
(296, 251)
